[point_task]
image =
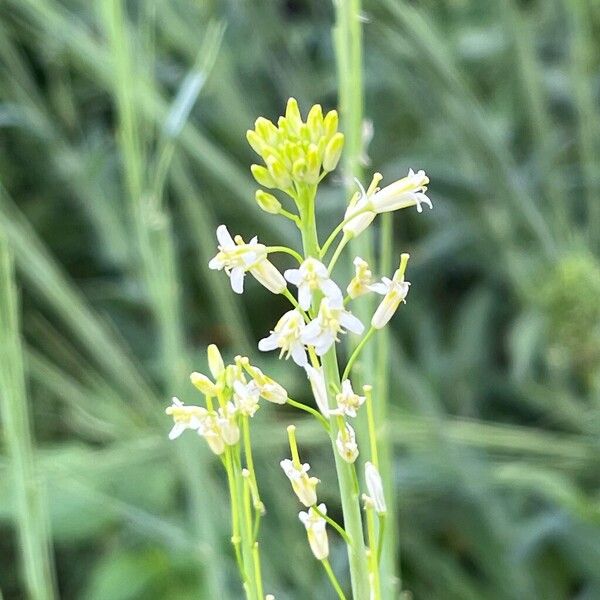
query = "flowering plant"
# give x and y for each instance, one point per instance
(297, 155)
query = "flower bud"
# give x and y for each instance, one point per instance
(292, 115)
(313, 164)
(203, 383)
(330, 123)
(268, 202)
(215, 361)
(346, 444)
(375, 487)
(256, 142)
(266, 130)
(316, 531)
(263, 177)
(314, 121)
(299, 169)
(319, 388)
(333, 151)
(266, 273)
(279, 173)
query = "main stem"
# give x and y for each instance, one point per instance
(359, 577)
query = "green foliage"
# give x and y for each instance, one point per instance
(123, 146)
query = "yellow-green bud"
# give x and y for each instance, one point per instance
(299, 170)
(330, 123)
(292, 115)
(215, 361)
(268, 202)
(313, 164)
(266, 130)
(262, 176)
(304, 132)
(314, 120)
(204, 384)
(333, 151)
(256, 142)
(279, 173)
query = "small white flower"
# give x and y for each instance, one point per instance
(346, 444)
(363, 277)
(375, 487)
(394, 292)
(316, 531)
(184, 417)
(286, 335)
(323, 331)
(304, 487)
(360, 203)
(212, 432)
(227, 422)
(245, 396)
(310, 277)
(236, 258)
(406, 192)
(318, 387)
(348, 402)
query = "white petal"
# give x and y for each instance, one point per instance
(293, 276)
(237, 280)
(215, 263)
(224, 237)
(299, 355)
(325, 342)
(333, 292)
(304, 297)
(176, 431)
(379, 288)
(268, 343)
(351, 323)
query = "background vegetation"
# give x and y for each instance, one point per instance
(122, 147)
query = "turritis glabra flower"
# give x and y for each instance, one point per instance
(304, 487)
(406, 192)
(346, 444)
(348, 402)
(359, 285)
(236, 258)
(311, 277)
(394, 291)
(375, 487)
(316, 531)
(332, 320)
(246, 396)
(184, 417)
(287, 336)
(318, 387)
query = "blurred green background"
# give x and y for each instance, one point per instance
(110, 195)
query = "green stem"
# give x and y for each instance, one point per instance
(357, 352)
(312, 411)
(334, 582)
(371, 426)
(285, 250)
(335, 525)
(339, 228)
(235, 527)
(343, 242)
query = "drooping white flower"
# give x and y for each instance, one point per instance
(319, 388)
(184, 417)
(227, 422)
(346, 444)
(360, 206)
(363, 277)
(323, 331)
(348, 402)
(304, 487)
(394, 291)
(268, 388)
(236, 258)
(212, 432)
(246, 396)
(406, 192)
(316, 531)
(310, 277)
(287, 336)
(375, 487)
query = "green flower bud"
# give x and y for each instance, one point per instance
(279, 173)
(266, 130)
(256, 142)
(299, 170)
(268, 202)
(314, 121)
(292, 115)
(313, 164)
(215, 361)
(333, 151)
(304, 132)
(263, 177)
(204, 384)
(330, 123)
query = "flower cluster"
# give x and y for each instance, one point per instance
(296, 156)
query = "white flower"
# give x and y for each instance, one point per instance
(346, 444)
(245, 396)
(394, 292)
(359, 284)
(286, 335)
(360, 203)
(212, 432)
(227, 422)
(310, 277)
(304, 487)
(236, 257)
(322, 332)
(375, 487)
(318, 387)
(184, 417)
(348, 402)
(315, 526)
(408, 191)
(268, 388)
